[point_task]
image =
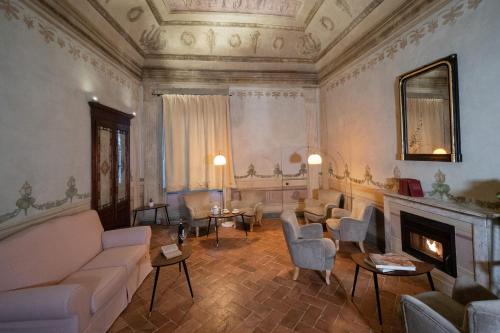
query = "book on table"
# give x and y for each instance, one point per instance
(390, 262)
(171, 251)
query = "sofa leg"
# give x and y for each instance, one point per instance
(296, 273)
(337, 245)
(361, 247)
(327, 277)
(197, 231)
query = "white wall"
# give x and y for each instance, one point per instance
(47, 78)
(361, 111)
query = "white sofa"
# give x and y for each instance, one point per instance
(68, 275)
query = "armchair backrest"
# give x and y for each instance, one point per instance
(252, 196)
(291, 227)
(362, 210)
(330, 196)
(195, 200)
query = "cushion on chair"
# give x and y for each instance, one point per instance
(315, 210)
(103, 283)
(126, 256)
(333, 225)
(444, 305)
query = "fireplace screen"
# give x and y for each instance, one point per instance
(430, 241)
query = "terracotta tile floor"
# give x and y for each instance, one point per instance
(247, 286)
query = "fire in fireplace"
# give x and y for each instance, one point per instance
(430, 241)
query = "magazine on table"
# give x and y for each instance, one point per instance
(390, 262)
(171, 251)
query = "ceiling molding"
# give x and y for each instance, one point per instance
(166, 75)
(313, 13)
(405, 15)
(101, 10)
(243, 59)
(71, 19)
(354, 23)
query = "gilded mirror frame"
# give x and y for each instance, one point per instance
(455, 154)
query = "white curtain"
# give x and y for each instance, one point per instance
(428, 125)
(196, 129)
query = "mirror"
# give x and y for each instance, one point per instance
(429, 112)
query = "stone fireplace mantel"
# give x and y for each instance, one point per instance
(476, 236)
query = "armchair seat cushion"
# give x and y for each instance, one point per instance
(450, 309)
(333, 225)
(102, 283)
(124, 256)
(315, 210)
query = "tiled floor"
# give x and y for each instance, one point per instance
(247, 286)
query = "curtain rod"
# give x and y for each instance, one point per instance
(161, 94)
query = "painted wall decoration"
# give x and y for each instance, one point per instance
(254, 40)
(135, 13)
(14, 12)
(277, 172)
(344, 6)
(327, 23)
(188, 38)
(234, 41)
(26, 201)
(278, 43)
(446, 17)
(152, 40)
(308, 45)
(210, 39)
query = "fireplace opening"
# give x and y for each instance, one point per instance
(430, 241)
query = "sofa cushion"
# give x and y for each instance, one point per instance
(444, 305)
(125, 256)
(102, 283)
(48, 252)
(315, 210)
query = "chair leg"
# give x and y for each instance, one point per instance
(337, 244)
(361, 246)
(296, 273)
(197, 231)
(327, 277)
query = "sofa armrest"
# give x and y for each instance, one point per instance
(337, 213)
(312, 231)
(466, 290)
(44, 303)
(353, 230)
(419, 317)
(483, 317)
(125, 237)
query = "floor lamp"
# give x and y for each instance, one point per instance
(220, 161)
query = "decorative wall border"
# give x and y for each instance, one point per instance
(267, 93)
(13, 12)
(447, 16)
(27, 201)
(277, 172)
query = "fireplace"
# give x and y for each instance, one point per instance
(430, 241)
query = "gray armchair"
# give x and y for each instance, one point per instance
(308, 249)
(351, 226)
(472, 308)
(317, 210)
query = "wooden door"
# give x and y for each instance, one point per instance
(110, 165)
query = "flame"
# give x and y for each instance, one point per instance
(431, 245)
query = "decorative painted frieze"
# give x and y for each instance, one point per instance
(15, 12)
(26, 201)
(277, 172)
(448, 16)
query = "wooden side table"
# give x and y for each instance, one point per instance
(158, 260)
(359, 259)
(225, 216)
(155, 207)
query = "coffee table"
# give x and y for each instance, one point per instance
(359, 259)
(225, 216)
(155, 207)
(158, 260)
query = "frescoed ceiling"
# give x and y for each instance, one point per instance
(238, 34)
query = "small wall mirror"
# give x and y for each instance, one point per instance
(430, 128)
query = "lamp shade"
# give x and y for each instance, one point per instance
(438, 151)
(219, 160)
(314, 159)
